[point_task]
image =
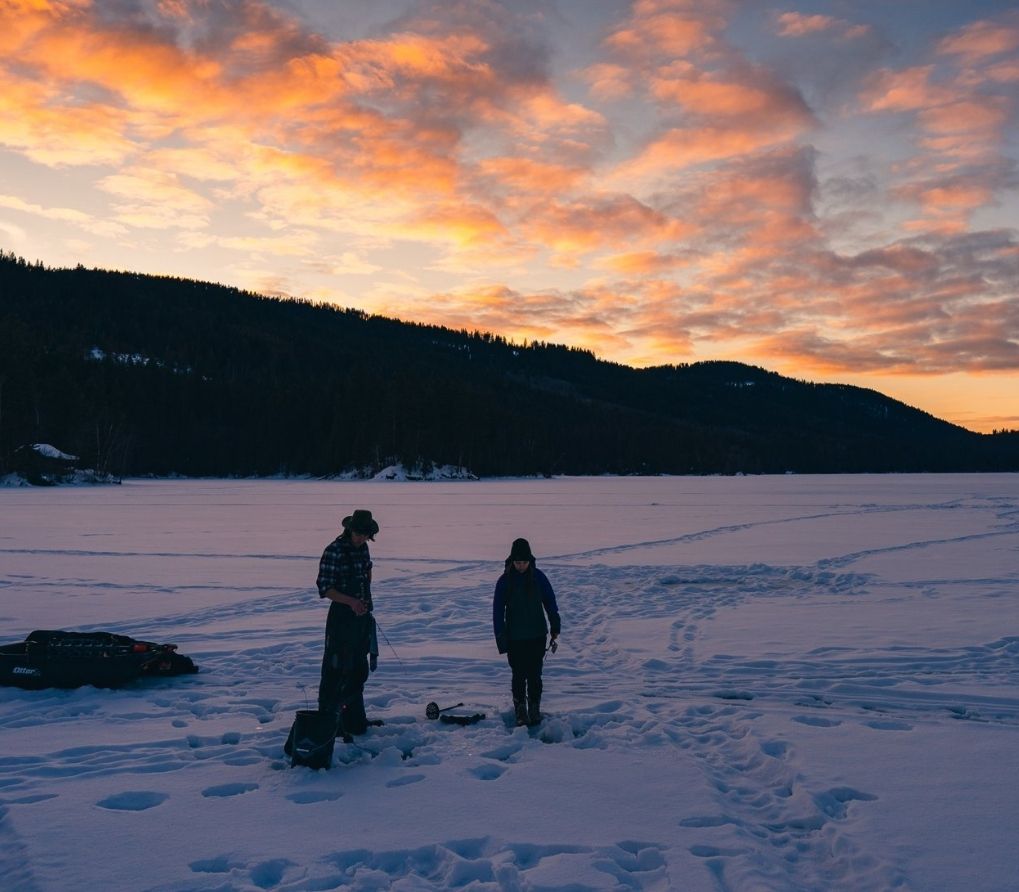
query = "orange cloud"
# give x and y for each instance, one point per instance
(949, 202)
(523, 179)
(169, 85)
(752, 97)
(795, 24)
(906, 90)
(608, 81)
(343, 137)
(679, 148)
(545, 113)
(712, 103)
(967, 115)
(670, 28)
(641, 263)
(1004, 73)
(961, 117)
(458, 224)
(85, 133)
(980, 40)
(576, 227)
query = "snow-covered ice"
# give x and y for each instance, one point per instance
(764, 683)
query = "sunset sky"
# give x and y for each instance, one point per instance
(826, 189)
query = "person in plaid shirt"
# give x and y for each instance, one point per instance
(344, 578)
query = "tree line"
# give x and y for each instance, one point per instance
(157, 375)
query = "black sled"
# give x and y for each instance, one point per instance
(56, 659)
(312, 738)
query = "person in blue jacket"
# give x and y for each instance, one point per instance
(523, 598)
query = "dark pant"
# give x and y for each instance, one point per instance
(525, 657)
(344, 671)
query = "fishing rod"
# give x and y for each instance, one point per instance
(385, 638)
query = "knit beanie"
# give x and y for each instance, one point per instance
(521, 550)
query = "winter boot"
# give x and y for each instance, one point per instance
(352, 718)
(534, 711)
(520, 708)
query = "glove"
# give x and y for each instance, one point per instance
(373, 662)
(500, 642)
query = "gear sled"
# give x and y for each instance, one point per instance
(57, 659)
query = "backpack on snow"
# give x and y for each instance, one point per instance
(311, 740)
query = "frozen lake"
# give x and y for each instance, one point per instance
(765, 683)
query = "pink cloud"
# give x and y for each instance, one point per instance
(978, 116)
(600, 221)
(1004, 73)
(680, 148)
(981, 40)
(796, 24)
(670, 28)
(608, 81)
(907, 90)
(960, 116)
(746, 97)
(642, 263)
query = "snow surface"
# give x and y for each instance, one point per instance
(764, 683)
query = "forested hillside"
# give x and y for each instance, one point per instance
(146, 375)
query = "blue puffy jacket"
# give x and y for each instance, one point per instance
(520, 604)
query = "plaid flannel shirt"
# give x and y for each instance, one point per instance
(346, 568)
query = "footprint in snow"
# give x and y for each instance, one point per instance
(714, 852)
(889, 726)
(136, 800)
(504, 753)
(488, 772)
(268, 874)
(403, 781)
(309, 797)
(777, 749)
(224, 790)
(816, 721)
(706, 821)
(221, 864)
(835, 802)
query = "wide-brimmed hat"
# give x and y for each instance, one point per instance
(361, 521)
(520, 551)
